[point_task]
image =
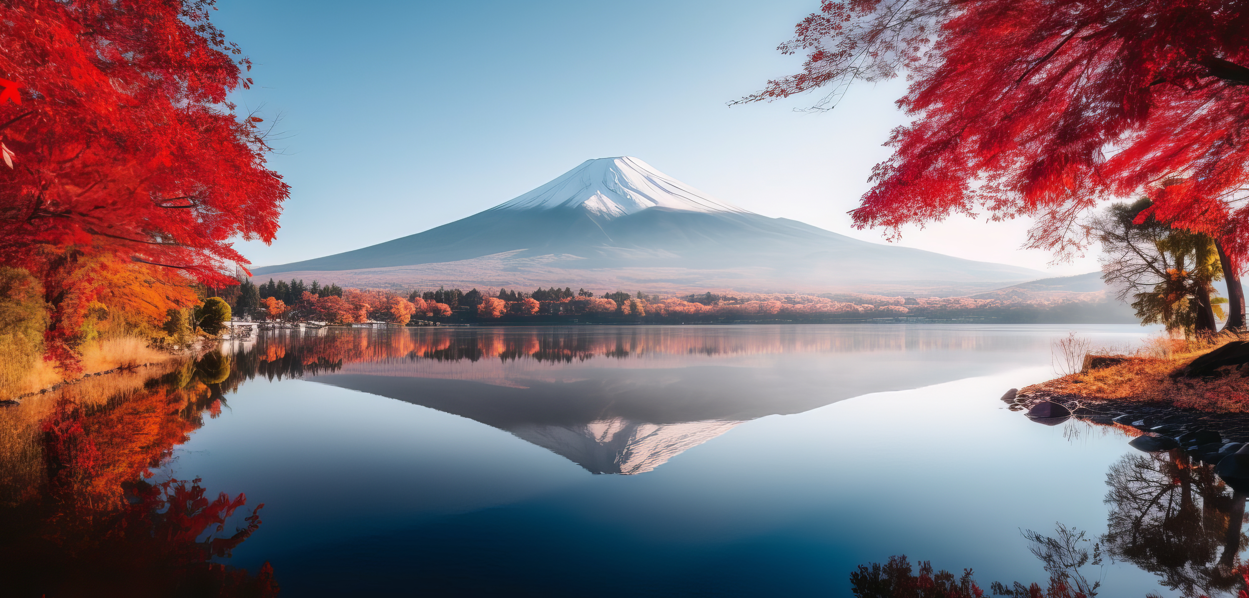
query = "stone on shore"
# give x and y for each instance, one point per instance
(1199, 437)
(1048, 410)
(1233, 356)
(1010, 395)
(1097, 362)
(1233, 467)
(1153, 444)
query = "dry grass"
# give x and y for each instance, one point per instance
(1146, 377)
(100, 356)
(113, 353)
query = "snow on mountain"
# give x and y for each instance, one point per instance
(613, 187)
(620, 223)
(620, 446)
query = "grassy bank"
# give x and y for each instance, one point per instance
(97, 356)
(1145, 376)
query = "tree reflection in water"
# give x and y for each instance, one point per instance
(95, 524)
(1175, 518)
(1169, 515)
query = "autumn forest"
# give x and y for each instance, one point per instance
(439, 392)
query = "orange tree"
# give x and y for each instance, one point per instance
(119, 144)
(1042, 108)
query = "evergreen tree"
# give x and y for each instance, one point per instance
(177, 327)
(248, 301)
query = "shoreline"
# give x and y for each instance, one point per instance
(188, 354)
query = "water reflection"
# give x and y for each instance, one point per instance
(1177, 519)
(82, 514)
(654, 392)
(368, 494)
(565, 344)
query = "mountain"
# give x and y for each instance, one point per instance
(620, 223)
(1089, 287)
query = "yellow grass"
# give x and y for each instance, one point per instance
(112, 353)
(1146, 377)
(98, 356)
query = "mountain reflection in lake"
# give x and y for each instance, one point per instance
(459, 461)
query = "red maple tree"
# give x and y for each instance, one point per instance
(1043, 108)
(123, 146)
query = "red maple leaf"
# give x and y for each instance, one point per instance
(10, 92)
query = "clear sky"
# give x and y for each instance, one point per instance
(396, 117)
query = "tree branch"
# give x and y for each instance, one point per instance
(143, 261)
(1230, 72)
(15, 119)
(96, 232)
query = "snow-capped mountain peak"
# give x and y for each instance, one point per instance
(612, 187)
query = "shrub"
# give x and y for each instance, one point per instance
(177, 326)
(1067, 354)
(23, 318)
(212, 315)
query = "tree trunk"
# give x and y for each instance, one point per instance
(1231, 541)
(1235, 293)
(1205, 325)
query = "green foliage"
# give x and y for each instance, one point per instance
(1167, 272)
(619, 297)
(214, 368)
(177, 326)
(23, 318)
(212, 315)
(249, 299)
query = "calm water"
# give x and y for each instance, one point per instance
(620, 461)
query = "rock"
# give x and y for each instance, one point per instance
(1168, 429)
(1230, 357)
(1233, 467)
(1097, 362)
(1199, 437)
(1210, 452)
(1049, 421)
(1126, 419)
(1153, 444)
(1048, 410)
(1230, 448)
(1009, 397)
(1212, 447)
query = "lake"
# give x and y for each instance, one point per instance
(597, 461)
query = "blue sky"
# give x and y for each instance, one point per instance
(396, 117)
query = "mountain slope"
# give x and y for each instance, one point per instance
(620, 219)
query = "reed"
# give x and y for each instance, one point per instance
(20, 375)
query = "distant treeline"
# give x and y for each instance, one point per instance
(297, 301)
